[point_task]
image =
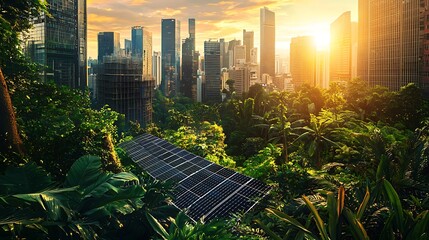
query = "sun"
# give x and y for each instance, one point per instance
(322, 41)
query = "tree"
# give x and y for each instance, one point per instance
(15, 18)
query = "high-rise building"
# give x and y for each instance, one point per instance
(212, 91)
(389, 48)
(241, 78)
(424, 20)
(254, 56)
(302, 61)
(268, 42)
(156, 68)
(239, 55)
(189, 64)
(224, 55)
(248, 41)
(231, 47)
(59, 42)
(121, 85)
(170, 49)
(108, 45)
(322, 70)
(128, 46)
(341, 49)
(141, 41)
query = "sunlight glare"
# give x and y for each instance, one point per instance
(322, 41)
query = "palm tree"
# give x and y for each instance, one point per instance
(316, 137)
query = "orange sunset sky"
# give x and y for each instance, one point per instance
(217, 19)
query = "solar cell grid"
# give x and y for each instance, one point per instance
(205, 188)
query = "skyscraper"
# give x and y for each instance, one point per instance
(170, 48)
(231, 47)
(141, 41)
(59, 43)
(156, 66)
(122, 85)
(248, 41)
(224, 55)
(341, 49)
(212, 92)
(268, 42)
(128, 46)
(108, 45)
(239, 55)
(389, 42)
(189, 64)
(302, 61)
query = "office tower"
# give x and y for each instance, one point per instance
(121, 85)
(231, 47)
(156, 68)
(241, 78)
(424, 19)
(279, 65)
(189, 64)
(268, 42)
(108, 45)
(141, 41)
(389, 42)
(239, 55)
(302, 61)
(341, 49)
(224, 55)
(248, 41)
(59, 42)
(128, 46)
(170, 49)
(212, 87)
(92, 77)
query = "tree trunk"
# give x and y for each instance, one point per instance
(110, 159)
(9, 136)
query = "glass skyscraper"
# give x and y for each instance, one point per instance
(213, 84)
(141, 47)
(268, 42)
(59, 43)
(108, 45)
(170, 50)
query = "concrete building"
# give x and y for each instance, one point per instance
(170, 49)
(239, 55)
(156, 68)
(189, 64)
(248, 42)
(241, 78)
(302, 61)
(212, 85)
(59, 42)
(122, 85)
(268, 42)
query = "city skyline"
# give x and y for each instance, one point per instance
(217, 19)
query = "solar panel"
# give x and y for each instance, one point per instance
(206, 190)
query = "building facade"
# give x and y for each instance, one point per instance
(389, 48)
(303, 61)
(141, 47)
(59, 42)
(341, 49)
(156, 68)
(268, 42)
(189, 64)
(212, 84)
(170, 49)
(108, 45)
(121, 85)
(249, 43)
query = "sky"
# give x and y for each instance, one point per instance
(217, 19)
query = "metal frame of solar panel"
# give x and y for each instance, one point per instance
(205, 189)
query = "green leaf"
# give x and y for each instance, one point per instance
(363, 205)
(355, 225)
(84, 172)
(319, 222)
(396, 204)
(26, 179)
(421, 226)
(268, 231)
(283, 216)
(333, 216)
(157, 226)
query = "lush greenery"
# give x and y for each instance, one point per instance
(348, 162)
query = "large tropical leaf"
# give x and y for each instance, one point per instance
(84, 172)
(26, 179)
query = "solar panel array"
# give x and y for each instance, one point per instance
(205, 189)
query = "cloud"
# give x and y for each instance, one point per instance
(215, 18)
